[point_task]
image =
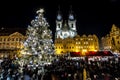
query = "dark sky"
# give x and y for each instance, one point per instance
(93, 16)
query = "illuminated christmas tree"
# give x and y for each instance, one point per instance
(39, 37)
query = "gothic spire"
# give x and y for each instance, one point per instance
(71, 11)
(59, 16)
(71, 16)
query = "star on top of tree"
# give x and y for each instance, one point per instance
(41, 10)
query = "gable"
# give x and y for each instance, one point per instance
(16, 34)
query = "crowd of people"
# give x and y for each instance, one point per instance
(61, 69)
(95, 70)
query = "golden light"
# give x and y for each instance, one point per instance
(77, 50)
(23, 52)
(84, 51)
(95, 50)
(58, 52)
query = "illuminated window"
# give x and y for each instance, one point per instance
(86, 42)
(76, 42)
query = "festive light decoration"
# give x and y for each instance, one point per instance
(39, 36)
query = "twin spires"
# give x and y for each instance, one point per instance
(70, 16)
(71, 20)
(65, 28)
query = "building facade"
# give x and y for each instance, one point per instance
(67, 40)
(11, 44)
(81, 44)
(112, 40)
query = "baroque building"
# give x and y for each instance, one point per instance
(82, 44)
(11, 42)
(112, 40)
(67, 40)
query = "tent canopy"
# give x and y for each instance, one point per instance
(92, 53)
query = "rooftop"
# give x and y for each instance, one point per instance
(8, 31)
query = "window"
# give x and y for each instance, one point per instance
(117, 37)
(12, 39)
(20, 39)
(58, 25)
(86, 42)
(4, 39)
(0, 39)
(16, 39)
(76, 42)
(118, 42)
(8, 39)
(7, 43)
(11, 43)
(72, 25)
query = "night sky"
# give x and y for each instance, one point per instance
(93, 16)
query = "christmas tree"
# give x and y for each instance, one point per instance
(39, 37)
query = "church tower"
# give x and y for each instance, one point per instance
(68, 30)
(59, 21)
(72, 20)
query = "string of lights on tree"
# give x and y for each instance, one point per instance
(39, 36)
